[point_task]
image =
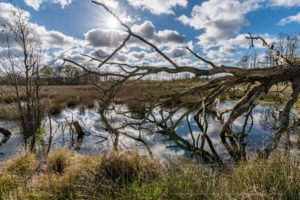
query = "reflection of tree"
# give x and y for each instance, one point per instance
(258, 82)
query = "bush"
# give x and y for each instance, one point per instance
(56, 109)
(72, 103)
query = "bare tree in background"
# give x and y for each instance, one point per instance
(21, 61)
(289, 45)
(258, 82)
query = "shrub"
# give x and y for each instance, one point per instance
(56, 109)
(72, 103)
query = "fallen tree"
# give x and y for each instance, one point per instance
(258, 82)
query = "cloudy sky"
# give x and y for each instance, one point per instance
(215, 29)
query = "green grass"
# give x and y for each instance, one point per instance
(65, 175)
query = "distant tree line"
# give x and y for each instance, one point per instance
(61, 75)
(70, 75)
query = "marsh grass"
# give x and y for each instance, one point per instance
(60, 97)
(22, 165)
(131, 176)
(59, 161)
(9, 111)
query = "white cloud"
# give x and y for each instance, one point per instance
(36, 4)
(162, 37)
(170, 36)
(110, 3)
(49, 38)
(146, 29)
(230, 51)
(63, 3)
(138, 55)
(285, 3)
(290, 19)
(218, 20)
(104, 38)
(113, 38)
(176, 52)
(5, 12)
(158, 6)
(54, 39)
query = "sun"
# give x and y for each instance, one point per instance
(112, 23)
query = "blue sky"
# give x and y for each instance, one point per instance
(216, 28)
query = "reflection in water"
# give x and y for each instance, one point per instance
(97, 140)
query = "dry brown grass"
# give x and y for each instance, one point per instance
(82, 177)
(58, 97)
(8, 111)
(130, 176)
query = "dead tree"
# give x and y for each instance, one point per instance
(257, 80)
(21, 61)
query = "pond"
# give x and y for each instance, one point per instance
(97, 140)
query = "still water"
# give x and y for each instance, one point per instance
(97, 140)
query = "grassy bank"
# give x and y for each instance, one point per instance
(129, 176)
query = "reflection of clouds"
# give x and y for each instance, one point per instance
(91, 122)
(14, 144)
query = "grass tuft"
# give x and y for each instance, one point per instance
(23, 165)
(121, 168)
(59, 161)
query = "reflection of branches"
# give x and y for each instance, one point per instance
(163, 109)
(243, 133)
(284, 118)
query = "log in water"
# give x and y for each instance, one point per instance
(6, 134)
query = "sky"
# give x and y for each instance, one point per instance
(215, 29)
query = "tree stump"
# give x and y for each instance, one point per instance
(80, 135)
